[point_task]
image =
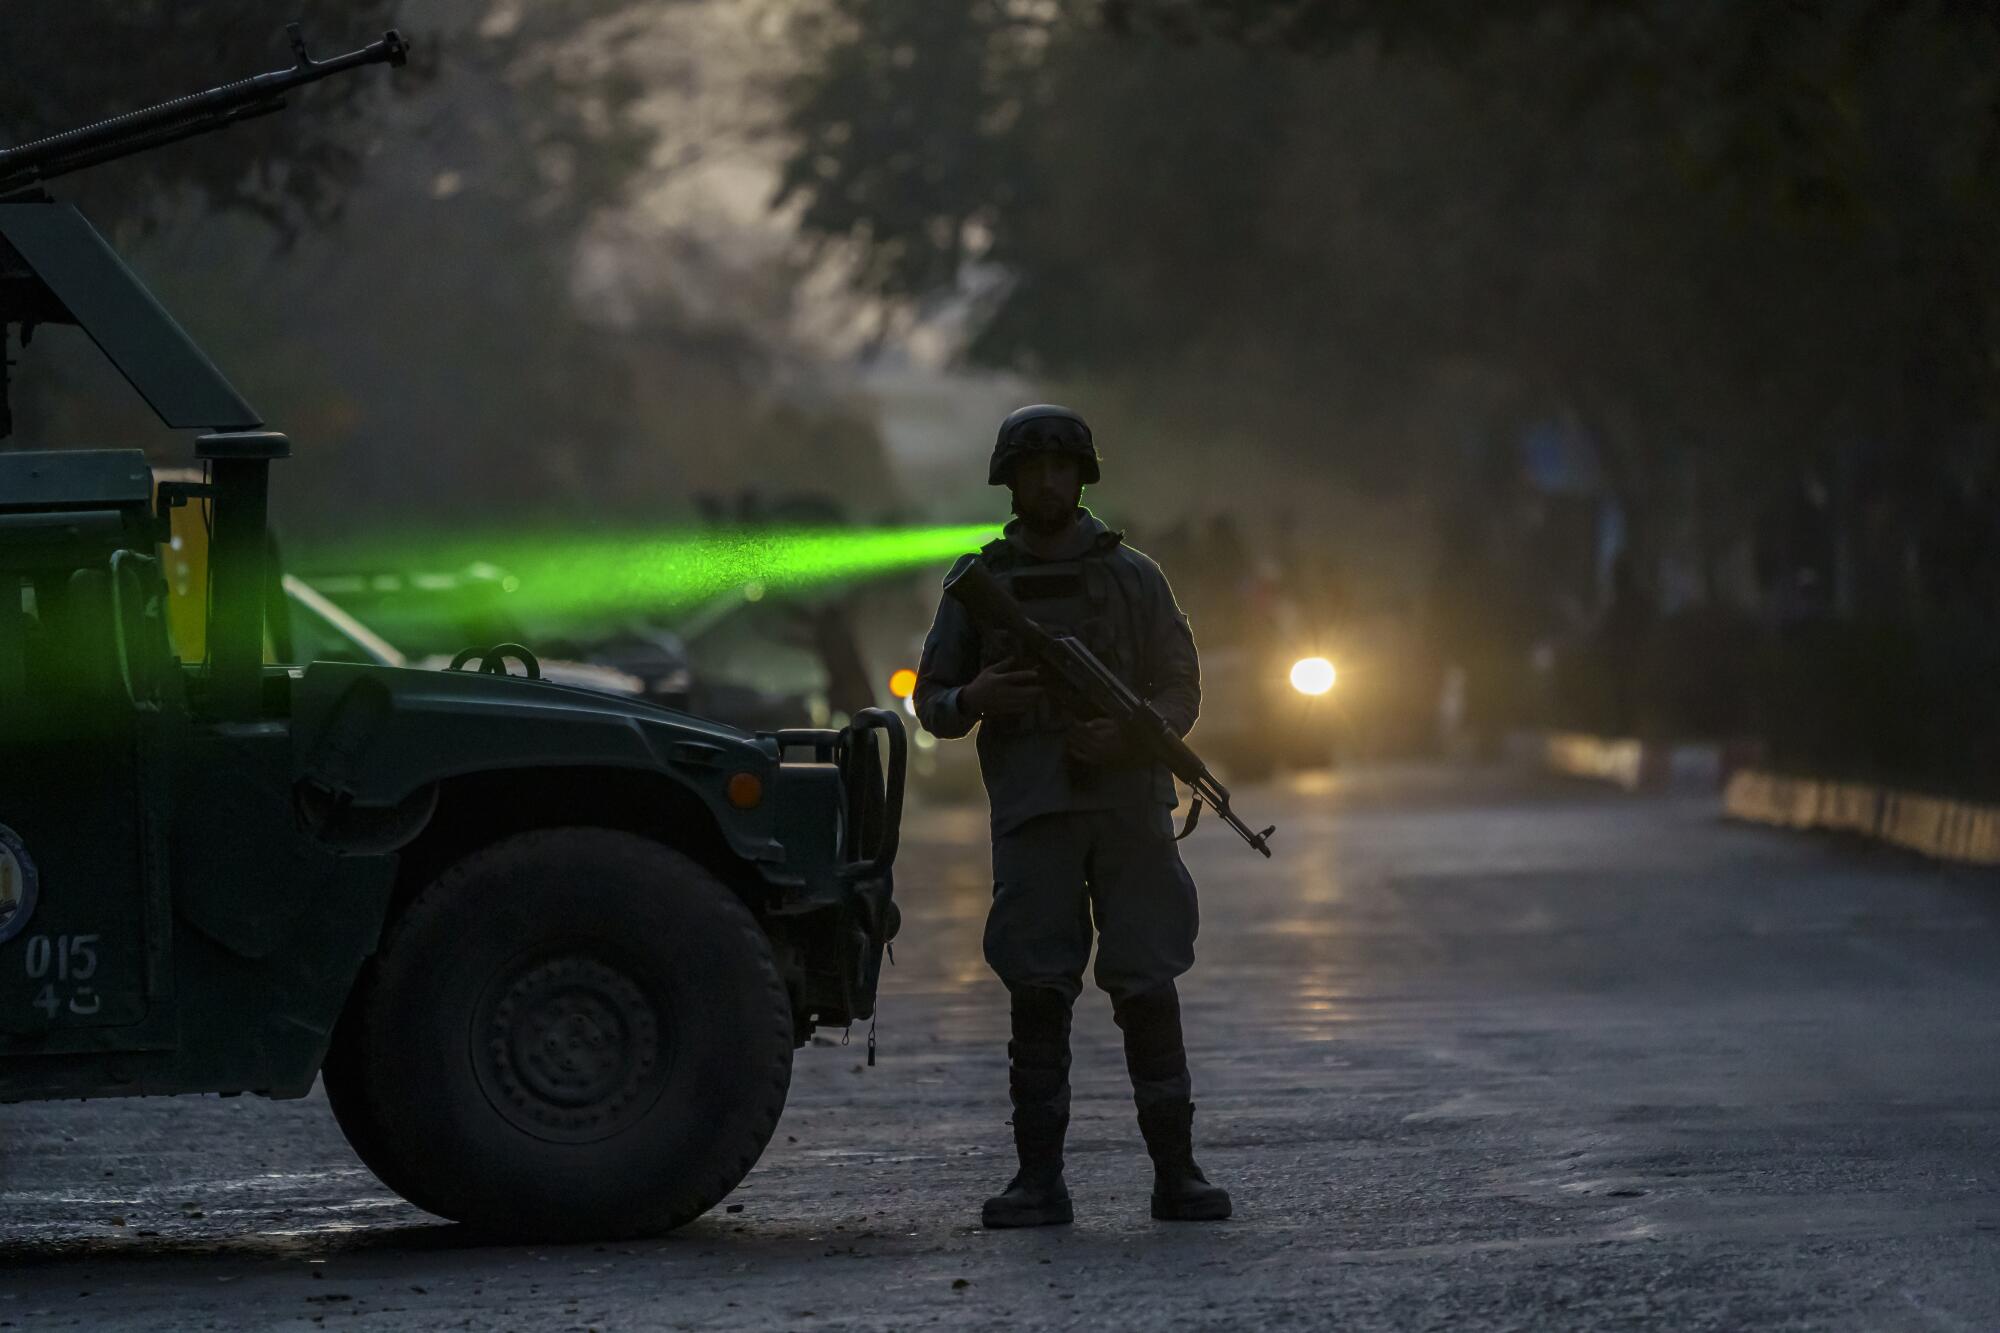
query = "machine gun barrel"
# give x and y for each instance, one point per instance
(198, 113)
(1091, 689)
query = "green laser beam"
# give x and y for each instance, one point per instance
(565, 576)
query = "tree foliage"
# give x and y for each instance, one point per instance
(1743, 249)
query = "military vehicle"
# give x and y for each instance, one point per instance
(1266, 707)
(551, 950)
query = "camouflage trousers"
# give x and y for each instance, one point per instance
(1116, 875)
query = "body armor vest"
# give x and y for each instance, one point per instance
(1083, 597)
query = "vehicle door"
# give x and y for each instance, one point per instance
(87, 695)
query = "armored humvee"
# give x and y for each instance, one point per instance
(550, 949)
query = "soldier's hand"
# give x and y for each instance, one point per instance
(1004, 687)
(1097, 741)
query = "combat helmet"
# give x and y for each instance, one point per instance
(1042, 428)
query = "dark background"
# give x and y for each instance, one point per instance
(1631, 364)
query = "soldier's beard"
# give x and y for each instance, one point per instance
(1046, 515)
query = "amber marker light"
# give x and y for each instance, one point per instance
(746, 791)
(903, 683)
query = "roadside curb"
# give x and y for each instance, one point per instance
(1962, 832)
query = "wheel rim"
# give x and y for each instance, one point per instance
(570, 1048)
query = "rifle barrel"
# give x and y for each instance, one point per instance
(983, 597)
(41, 159)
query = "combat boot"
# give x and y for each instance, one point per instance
(1156, 1058)
(1037, 1196)
(1038, 1083)
(1181, 1193)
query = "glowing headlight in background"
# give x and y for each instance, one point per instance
(1312, 675)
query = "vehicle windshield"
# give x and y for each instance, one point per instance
(322, 632)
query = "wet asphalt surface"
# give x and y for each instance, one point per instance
(1475, 1051)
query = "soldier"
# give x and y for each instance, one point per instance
(1082, 829)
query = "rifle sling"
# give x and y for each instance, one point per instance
(1193, 816)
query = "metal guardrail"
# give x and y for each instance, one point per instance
(1962, 832)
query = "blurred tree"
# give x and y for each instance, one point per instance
(1744, 245)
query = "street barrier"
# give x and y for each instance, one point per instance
(1961, 832)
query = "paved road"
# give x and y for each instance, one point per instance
(1473, 1052)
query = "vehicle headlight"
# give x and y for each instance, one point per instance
(1312, 675)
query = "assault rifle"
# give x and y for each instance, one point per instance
(1089, 689)
(137, 131)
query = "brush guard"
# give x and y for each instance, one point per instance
(870, 833)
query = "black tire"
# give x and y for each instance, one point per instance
(573, 1034)
(341, 1074)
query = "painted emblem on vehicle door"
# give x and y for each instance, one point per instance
(18, 882)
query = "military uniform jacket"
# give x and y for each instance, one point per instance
(1118, 603)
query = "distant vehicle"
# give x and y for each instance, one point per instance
(656, 657)
(549, 948)
(319, 631)
(1265, 709)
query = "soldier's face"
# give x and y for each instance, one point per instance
(1047, 489)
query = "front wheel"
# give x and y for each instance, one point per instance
(573, 1033)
